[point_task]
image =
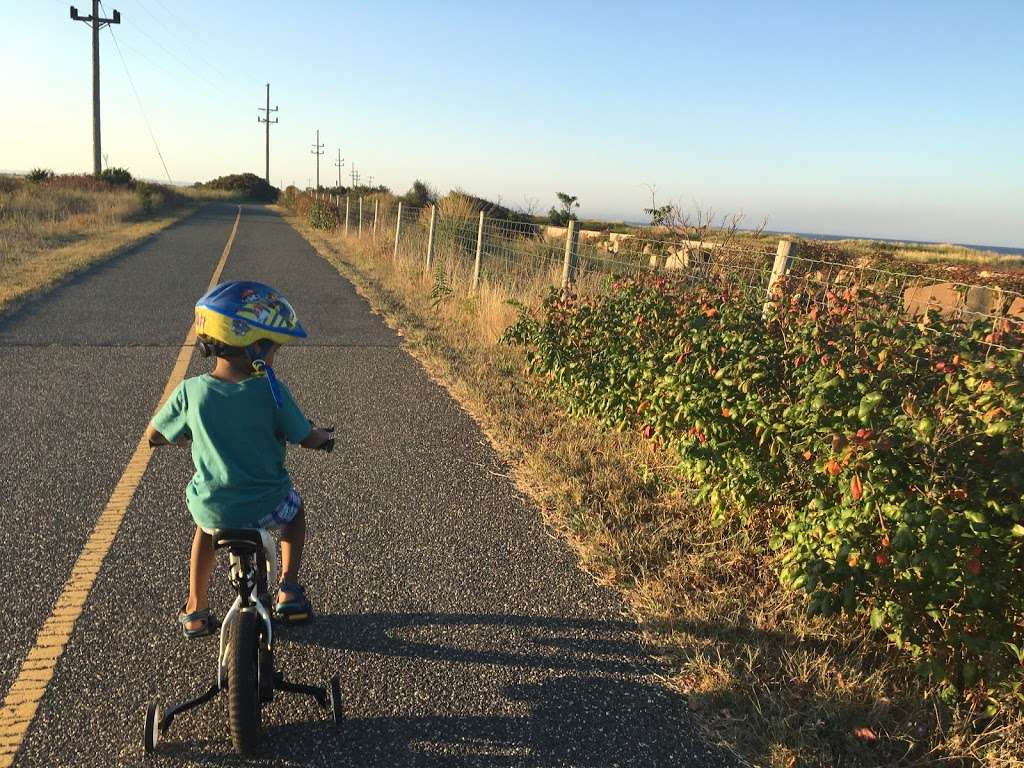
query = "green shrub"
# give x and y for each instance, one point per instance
(145, 196)
(323, 216)
(39, 174)
(116, 176)
(889, 455)
(247, 184)
(290, 197)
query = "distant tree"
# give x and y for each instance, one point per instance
(420, 194)
(40, 174)
(561, 217)
(661, 215)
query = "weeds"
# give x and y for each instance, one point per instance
(54, 225)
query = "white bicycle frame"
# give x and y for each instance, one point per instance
(270, 550)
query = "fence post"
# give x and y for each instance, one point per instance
(376, 201)
(359, 227)
(398, 228)
(430, 236)
(571, 248)
(479, 251)
(347, 199)
(783, 261)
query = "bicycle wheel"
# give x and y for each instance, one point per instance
(243, 682)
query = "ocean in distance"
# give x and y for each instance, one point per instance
(1003, 249)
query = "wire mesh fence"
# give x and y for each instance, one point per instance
(523, 255)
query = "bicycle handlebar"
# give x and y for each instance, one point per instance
(328, 445)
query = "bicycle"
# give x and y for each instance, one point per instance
(245, 657)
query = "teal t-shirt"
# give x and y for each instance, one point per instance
(238, 446)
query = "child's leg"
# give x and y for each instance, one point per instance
(293, 537)
(200, 569)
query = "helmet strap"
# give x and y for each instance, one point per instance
(257, 355)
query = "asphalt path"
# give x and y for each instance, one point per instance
(464, 634)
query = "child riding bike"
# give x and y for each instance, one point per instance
(238, 427)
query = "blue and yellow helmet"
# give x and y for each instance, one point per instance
(248, 316)
(241, 313)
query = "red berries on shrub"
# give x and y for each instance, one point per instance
(939, 444)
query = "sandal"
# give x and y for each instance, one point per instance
(298, 610)
(209, 626)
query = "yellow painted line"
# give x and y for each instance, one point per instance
(22, 700)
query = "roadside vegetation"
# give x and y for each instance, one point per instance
(247, 186)
(54, 225)
(816, 518)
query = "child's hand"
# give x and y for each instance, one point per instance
(319, 437)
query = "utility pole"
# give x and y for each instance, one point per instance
(97, 23)
(338, 164)
(370, 183)
(318, 150)
(352, 171)
(268, 121)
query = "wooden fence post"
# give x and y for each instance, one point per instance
(359, 226)
(347, 199)
(398, 228)
(571, 249)
(430, 236)
(376, 202)
(479, 251)
(783, 261)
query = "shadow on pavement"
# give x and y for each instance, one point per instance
(538, 642)
(574, 720)
(578, 698)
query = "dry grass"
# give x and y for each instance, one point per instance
(52, 229)
(763, 680)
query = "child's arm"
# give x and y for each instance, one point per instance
(296, 428)
(170, 420)
(155, 439)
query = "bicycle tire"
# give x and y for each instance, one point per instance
(243, 683)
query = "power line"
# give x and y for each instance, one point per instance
(177, 58)
(156, 65)
(175, 35)
(141, 108)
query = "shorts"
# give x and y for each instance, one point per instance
(283, 513)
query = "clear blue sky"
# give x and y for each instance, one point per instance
(890, 119)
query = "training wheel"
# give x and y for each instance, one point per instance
(336, 700)
(153, 715)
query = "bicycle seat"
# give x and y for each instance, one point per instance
(238, 539)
